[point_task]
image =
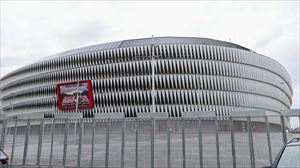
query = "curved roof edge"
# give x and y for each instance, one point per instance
(145, 41)
(137, 42)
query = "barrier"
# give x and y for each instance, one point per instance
(190, 141)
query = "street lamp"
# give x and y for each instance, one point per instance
(153, 62)
(153, 73)
(76, 110)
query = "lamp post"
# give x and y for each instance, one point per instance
(76, 110)
(198, 91)
(153, 74)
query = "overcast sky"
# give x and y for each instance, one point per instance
(32, 30)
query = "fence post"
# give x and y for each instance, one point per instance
(169, 142)
(152, 141)
(66, 141)
(183, 144)
(93, 142)
(80, 142)
(250, 142)
(123, 142)
(284, 136)
(26, 142)
(52, 138)
(217, 141)
(136, 142)
(3, 134)
(231, 123)
(107, 142)
(200, 141)
(38, 159)
(268, 139)
(13, 143)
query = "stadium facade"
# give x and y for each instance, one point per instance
(190, 74)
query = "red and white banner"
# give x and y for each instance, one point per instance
(67, 95)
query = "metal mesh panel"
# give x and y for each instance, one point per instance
(33, 142)
(260, 142)
(160, 143)
(20, 139)
(115, 143)
(276, 137)
(99, 151)
(192, 143)
(58, 142)
(130, 144)
(146, 140)
(226, 159)
(9, 132)
(86, 148)
(176, 143)
(46, 145)
(73, 140)
(8, 142)
(209, 144)
(144, 150)
(242, 144)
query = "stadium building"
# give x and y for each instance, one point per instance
(162, 74)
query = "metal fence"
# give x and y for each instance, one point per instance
(240, 141)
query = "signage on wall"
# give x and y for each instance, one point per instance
(76, 94)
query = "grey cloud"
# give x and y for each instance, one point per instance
(268, 37)
(87, 33)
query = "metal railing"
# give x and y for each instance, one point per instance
(236, 141)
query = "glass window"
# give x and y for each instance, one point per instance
(290, 157)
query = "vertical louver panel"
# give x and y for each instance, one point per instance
(188, 77)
